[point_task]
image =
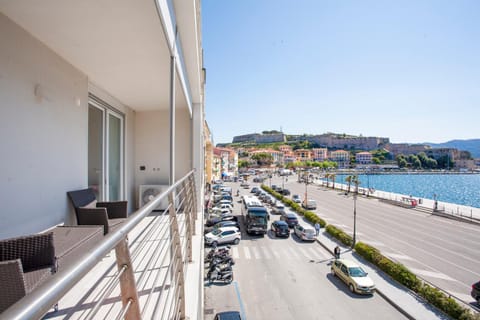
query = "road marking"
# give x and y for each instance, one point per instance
(265, 252)
(255, 252)
(375, 243)
(397, 256)
(431, 274)
(242, 309)
(276, 254)
(235, 254)
(247, 253)
(292, 253)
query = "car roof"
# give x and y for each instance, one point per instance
(281, 222)
(290, 215)
(228, 228)
(348, 263)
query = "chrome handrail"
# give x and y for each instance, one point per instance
(38, 302)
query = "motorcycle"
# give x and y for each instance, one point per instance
(218, 273)
(217, 252)
(222, 260)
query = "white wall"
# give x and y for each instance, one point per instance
(43, 137)
(44, 134)
(152, 146)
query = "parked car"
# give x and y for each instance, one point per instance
(305, 233)
(223, 235)
(254, 190)
(476, 291)
(226, 223)
(296, 198)
(286, 192)
(290, 219)
(224, 206)
(353, 275)
(278, 208)
(244, 185)
(228, 315)
(280, 229)
(309, 204)
(216, 219)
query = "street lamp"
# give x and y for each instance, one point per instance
(356, 182)
(354, 220)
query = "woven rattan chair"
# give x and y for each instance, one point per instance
(25, 263)
(90, 212)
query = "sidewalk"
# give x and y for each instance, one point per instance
(400, 297)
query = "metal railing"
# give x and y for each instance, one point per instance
(158, 257)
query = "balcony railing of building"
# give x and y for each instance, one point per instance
(151, 265)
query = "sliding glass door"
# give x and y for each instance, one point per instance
(105, 152)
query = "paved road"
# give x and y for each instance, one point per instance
(289, 279)
(442, 251)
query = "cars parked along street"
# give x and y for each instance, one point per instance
(223, 235)
(290, 219)
(305, 233)
(280, 229)
(353, 275)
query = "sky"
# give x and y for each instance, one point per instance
(405, 70)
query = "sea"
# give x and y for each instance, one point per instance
(462, 189)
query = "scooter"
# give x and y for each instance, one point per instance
(222, 260)
(218, 273)
(217, 252)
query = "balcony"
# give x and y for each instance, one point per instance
(150, 274)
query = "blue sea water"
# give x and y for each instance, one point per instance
(462, 189)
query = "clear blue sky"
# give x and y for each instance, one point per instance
(406, 70)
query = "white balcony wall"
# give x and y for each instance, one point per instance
(43, 134)
(43, 127)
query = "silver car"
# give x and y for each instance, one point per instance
(305, 233)
(223, 235)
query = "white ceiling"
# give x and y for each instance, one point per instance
(119, 45)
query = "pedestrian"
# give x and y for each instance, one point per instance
(336, 251)
(317, 228)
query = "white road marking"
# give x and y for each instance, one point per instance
(256, 254)
(247, 253)
(276, 254)
(431, 274)
(235, 254)
(266, 253)
(292, 253)
(397, 256)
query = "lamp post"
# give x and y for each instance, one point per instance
(354, 220)
(356, 182)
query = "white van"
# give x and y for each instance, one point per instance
(309, 204)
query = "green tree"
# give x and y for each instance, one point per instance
(243, 163)
(263, 159)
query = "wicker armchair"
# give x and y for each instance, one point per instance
(25, 263)
(90, 212)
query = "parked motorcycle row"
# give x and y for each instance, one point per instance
(219, 263)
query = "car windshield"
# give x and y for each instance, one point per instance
(357, 272)
(216, 231)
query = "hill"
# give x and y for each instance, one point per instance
(471, 145)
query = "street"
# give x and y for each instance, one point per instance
(442, 251)
(288, 279)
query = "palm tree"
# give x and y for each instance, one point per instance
(333, 176)
(349, 181)
(356, 182)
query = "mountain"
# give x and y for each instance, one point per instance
(471, 145)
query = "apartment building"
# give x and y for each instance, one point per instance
(320, 154)
(341, 157)
(363, 157)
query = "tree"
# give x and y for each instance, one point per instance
(242, 163)
(263, 158)
(349, 179)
